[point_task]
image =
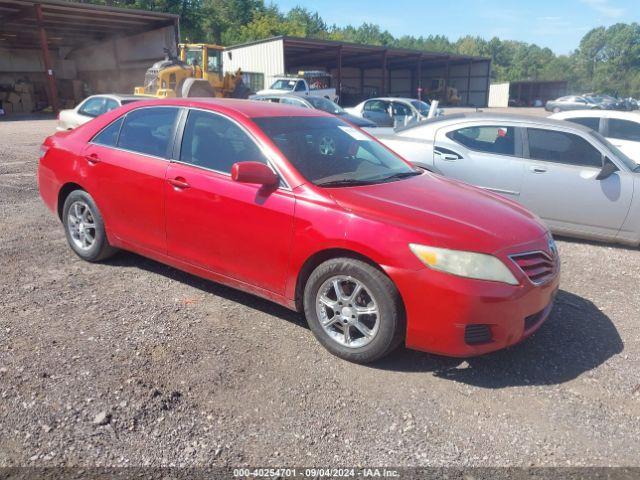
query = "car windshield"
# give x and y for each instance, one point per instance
(283, 84)
(422, 107)
(330, 152)
(629, 163)
(325, 105)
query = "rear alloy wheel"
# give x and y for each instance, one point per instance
(84, 227)
(556, 110)
(354, 310)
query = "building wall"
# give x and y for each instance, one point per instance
(113, 66)
(499, 95)
(266, 58)
(119, 65)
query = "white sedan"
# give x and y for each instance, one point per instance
(620, 128)
(90, 108)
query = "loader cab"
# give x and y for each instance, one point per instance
(205, 59)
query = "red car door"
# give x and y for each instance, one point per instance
(242, 231)
(128, 162)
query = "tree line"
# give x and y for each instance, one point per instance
(607, 60)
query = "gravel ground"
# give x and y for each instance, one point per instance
(133, 363)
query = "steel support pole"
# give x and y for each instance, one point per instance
(46, 58)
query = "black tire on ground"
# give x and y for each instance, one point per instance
(391, 329)
(100, 248)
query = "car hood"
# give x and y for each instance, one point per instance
(444, 213)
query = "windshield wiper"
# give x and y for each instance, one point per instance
(399, 175)
(343, 182)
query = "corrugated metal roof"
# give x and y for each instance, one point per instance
(315, 43)
(73, 24)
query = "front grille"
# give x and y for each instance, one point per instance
(539, 267)
(477, 334)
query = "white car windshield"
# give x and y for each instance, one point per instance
(422, 107)
(283, 84)
(629, 163)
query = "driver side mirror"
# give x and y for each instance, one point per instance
(254, 172)
(608, 169)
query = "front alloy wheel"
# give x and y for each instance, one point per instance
(347, 311)
(354, 309)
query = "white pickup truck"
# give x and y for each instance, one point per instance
(313, 83)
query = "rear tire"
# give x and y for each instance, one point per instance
(556, 110)
(84, 227)
(360, 288)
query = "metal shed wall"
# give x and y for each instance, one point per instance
(266, 58)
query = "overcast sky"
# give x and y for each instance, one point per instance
(557, 24)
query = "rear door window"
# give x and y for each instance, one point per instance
(591, 122)
(495, 139)
(624, 129)
(401, 110)
(148, 130)
(562, 147)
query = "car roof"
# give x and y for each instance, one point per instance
(120, 96)
(633, 116)
(247, 108)
(494, 117)
(391, 99)
(278, 95)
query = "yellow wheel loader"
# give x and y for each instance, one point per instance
(196, 73)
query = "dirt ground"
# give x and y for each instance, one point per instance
(133, 363)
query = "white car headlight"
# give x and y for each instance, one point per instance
(464, 264)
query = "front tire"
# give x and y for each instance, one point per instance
(84, 227)
(354, 310)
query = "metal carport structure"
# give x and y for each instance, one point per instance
(52, 26)
(389, 71)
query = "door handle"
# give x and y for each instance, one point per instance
(92, 158)
(449, 157)
(538, 169)
(178, 182)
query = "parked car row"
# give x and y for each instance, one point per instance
(393, 111)
(578, 182)
(622, 129)
(319, 103)
(590, 102)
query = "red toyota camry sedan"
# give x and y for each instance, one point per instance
(301, 208)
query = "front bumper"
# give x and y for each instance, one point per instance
(440, 307)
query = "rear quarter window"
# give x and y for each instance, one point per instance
(108, 136)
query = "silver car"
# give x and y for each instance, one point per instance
(571, 176)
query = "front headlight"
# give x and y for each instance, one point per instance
(464, 264)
